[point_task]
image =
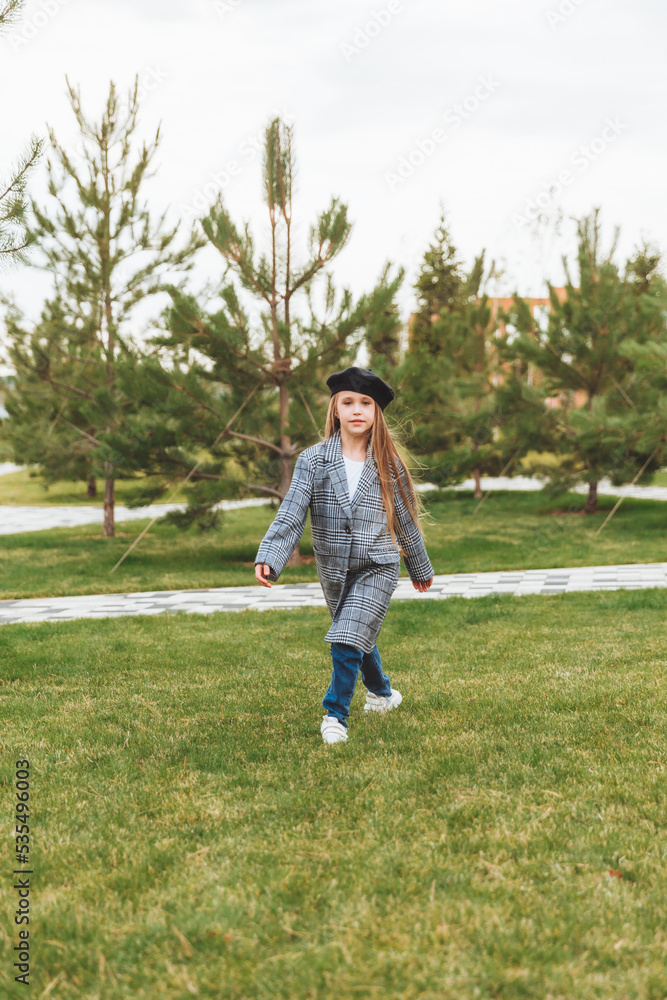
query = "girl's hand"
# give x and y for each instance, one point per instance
(262, 570)
(422, 585)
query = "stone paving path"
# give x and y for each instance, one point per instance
(534, 581)
(605, 488)
(17, 519)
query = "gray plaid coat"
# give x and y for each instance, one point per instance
(357, 562)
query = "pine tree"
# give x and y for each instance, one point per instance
(648, 357)
(438, 285)
(257, 386)
(469, 333)
(448, 385)
(53, 404)
(383, 335)
(9, 12)
(587, 355)
(14, 237)
(106, 254)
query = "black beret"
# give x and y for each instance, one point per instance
(362, 380)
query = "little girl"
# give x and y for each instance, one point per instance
(359, 492)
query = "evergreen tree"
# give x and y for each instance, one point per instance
(438, 285)
(448, 385)
(106, 254)
(9, 12)
(648, 357)
(14, 238)
(52, 406)
(247, 394)
(383, 338)
(588, 352)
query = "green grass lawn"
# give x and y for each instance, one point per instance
(510, 531)
(499, 835)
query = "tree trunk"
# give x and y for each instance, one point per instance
(478, 483)
(282, 363)
(109, 501)
(592, 499)
(92, 486)
(106, 268)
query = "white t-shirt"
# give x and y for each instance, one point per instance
(354, 470)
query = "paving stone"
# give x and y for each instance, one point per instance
(203, 609)
(293, 596)
(267, 607)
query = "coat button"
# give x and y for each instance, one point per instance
(348, 529)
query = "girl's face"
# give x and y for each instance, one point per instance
(356, 412)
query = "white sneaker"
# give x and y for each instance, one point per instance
(375, 703)
(333, 731)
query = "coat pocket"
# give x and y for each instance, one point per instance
(329, 565)
(384, 555)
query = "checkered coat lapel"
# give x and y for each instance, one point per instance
(357, 562)
(333, 459)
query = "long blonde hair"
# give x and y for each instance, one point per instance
(391, 467)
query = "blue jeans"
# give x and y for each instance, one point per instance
(347, 661)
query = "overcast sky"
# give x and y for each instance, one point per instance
(397, 105)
